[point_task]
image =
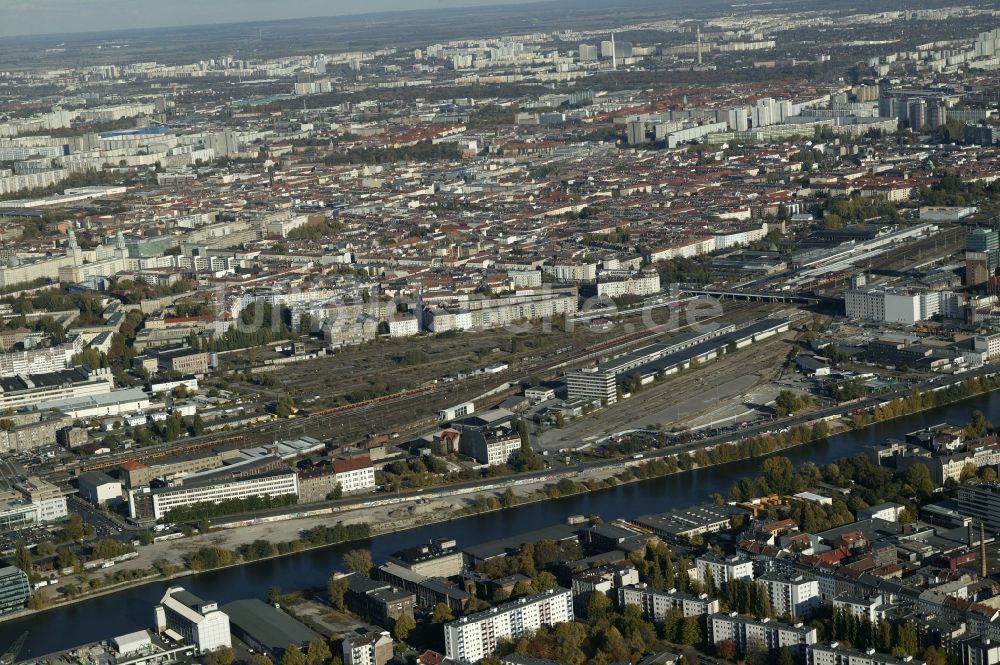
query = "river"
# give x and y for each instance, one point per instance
(129, 610)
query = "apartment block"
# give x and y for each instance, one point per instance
(472, 638)
(751, 634)
(794, 595)
(655, 604)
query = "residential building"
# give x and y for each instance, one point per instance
(835, 654)
(368, 649)
(38, 432)
(429, 591)
(403, 325)
(188, 618)
(355, 474)
(795, 595)
(722, 569)
(749, 634)
(490, 445)
(890, 305)
(866, 608)
(603, 579)
(655, 604)
(978, 651)
(473, 637)
(988, 343)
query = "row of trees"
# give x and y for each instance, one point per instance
(207, 558)
(921, 401)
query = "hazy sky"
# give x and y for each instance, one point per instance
(29, 17)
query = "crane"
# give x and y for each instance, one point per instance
(10, 655)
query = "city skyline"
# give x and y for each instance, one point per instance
(54, 17)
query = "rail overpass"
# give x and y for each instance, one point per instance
(760, 297)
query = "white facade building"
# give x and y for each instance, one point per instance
(890, 305)
(988, 343)
(723, 569)
(655, 604)
(403, 325)
(771, 635)
(368, 649)
(199, 623)
(643, 285)
(355, 474)
(591, 383)
(215, 486)
(834, 654)
(794, 595)
(472, 638)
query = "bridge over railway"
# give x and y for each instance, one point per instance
(762, 297)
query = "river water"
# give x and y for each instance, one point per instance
(130, 610)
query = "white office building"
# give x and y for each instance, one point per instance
(268, 478)
(794, 595)
(591, 383)
(31, 502)
(185, 617)
(472, 638)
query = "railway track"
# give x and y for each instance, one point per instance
(328, 423)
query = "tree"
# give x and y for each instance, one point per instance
(691, 631)
(726, 649)
(285, 407)
(318, 653)
(934, 656)
(404, 625)
(906, 639)
(545, 581)
(260, 659)
(337, 587)
(221, 656)
(293, 656)
(598, 607)
(918, 476)
(358, 561)
(274, 594)
(22, 557)
(785, 656)
(442, 614)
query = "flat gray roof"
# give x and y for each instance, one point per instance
(267, 625)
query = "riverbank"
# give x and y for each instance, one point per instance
(383, 520)
(430, 510)
(130, 609)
